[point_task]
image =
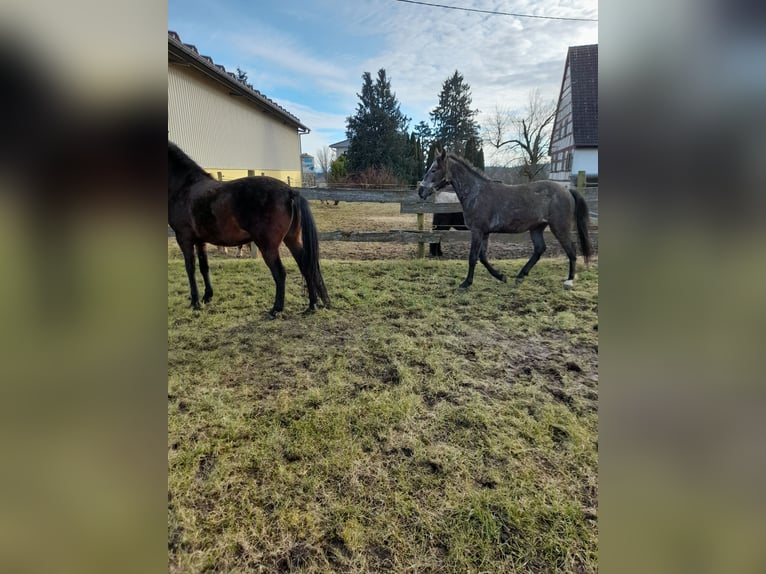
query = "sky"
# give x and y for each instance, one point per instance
(309, 55)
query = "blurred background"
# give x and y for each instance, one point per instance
(683, 319)
(82, 294)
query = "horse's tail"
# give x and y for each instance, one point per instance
(582, 217)
(311, 249)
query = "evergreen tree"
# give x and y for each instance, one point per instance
(474, 153)
(377, 132)
(416, 147)
(453, 118)
(338, 169)
(424, 133)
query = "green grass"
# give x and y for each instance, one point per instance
(411, 428)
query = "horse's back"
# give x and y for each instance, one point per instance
(542, 193)
(515, 208)
(233, 212)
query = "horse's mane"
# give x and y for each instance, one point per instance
(183, 171)
(470, 167)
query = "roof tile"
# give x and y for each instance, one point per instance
(583, 66)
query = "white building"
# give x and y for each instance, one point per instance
(228, 127)
(574, 139)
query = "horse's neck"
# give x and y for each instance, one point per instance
(464, 182)
(185, 177)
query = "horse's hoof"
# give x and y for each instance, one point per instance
(272, 314)
(518, 281)
(196, 306)
(464, 286)
(309, 311)
(207, 298)
(568, 284)
(503, 278)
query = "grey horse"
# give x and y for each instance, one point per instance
(491, 207)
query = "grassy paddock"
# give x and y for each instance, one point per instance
(411, 428)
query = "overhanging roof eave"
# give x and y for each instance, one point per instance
(180, 55)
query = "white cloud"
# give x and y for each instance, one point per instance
(291, 59)
(326, 128)
(502, 58)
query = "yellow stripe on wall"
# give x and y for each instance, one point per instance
(293, 177)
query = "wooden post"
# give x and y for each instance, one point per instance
(421, 227)
(220, 176)
(250, 173)
(581, 179)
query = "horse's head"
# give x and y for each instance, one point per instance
(436, 177)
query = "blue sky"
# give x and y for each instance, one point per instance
(309, 56)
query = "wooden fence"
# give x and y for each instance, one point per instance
(409, 202)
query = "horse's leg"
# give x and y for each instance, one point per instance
(562, 233)
(187, 248)
(436, 248)
(274, 263)
(483, 258)
(472, 258)
(296, 248)
(204, 268)
(538, 241)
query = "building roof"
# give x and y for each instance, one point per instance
(340, 145)
(181, 53)
(583, 69)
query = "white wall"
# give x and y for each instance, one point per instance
(585, 160)
(221, 131)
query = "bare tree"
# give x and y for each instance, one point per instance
(527, 135)
(324, 159)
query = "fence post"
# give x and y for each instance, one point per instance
(581, 181)
(220, 176)
(250, 172)
(421, 227)
(288, 180)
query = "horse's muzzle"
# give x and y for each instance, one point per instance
(424, 192)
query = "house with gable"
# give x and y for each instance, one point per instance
(574, 138)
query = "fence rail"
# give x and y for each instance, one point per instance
(408, 199)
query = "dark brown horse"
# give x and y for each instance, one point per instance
(445, 222)
(260, 209)
(492, 207)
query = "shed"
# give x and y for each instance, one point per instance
(231, 129)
